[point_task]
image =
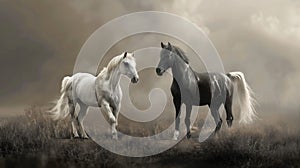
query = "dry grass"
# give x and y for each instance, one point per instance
(31, 141)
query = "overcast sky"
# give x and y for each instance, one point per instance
(41, 39)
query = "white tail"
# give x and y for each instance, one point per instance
(246, 101)
(61, 108)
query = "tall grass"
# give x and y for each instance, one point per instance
(34, 140)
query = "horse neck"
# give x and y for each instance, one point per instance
(180, 69)
(113, 77)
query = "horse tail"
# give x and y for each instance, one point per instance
(245, 96)
(61, 108)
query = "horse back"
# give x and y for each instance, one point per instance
(203, 87)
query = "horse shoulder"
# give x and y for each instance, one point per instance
(117, 95)
(119, 92)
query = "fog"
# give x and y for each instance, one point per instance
(40, 41)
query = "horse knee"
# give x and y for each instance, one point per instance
(186, 120)
(80, 118)
(112, 118)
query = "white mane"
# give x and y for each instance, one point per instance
(112, 64)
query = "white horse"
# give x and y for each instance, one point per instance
(98, 91)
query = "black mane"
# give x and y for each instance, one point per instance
(181, 54)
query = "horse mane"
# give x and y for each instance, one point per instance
(113, 63)
(181, 54)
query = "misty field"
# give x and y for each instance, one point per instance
(33, 140)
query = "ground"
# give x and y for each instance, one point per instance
(33, 140)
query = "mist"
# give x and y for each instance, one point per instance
(40, 41)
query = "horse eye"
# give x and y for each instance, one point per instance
(126, 63)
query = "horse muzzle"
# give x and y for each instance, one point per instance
(159, 72)
(134, 79)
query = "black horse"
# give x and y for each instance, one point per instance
(199, 89)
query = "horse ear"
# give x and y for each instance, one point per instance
(169, 45)
(125, 54)
(162, 45)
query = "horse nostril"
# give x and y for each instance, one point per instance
(158, 71)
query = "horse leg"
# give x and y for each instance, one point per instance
(228, 108)
(188, 120)
(106, 108)
(72, 112)
(74, 132)
(216, 116)
(177, 104)
(116, 113)
(72, 105)
(113, 126)
(82, 113)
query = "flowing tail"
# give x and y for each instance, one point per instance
(61, 108)
(246, 101)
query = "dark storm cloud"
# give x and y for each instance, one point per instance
(41, 39)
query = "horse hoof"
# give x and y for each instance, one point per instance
(75, 137)
(188, 135)
(176, 135)
(229, 123)
(115, 137)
